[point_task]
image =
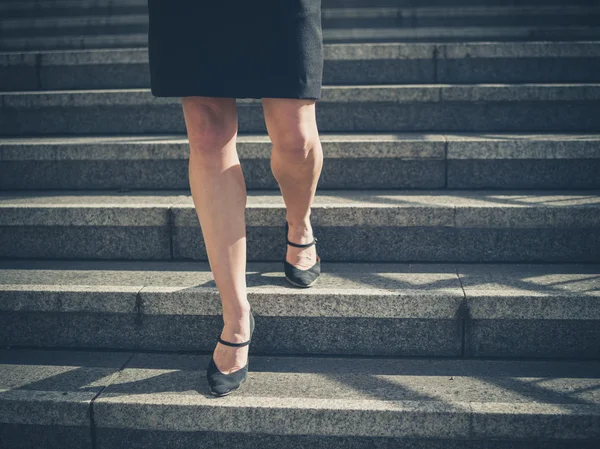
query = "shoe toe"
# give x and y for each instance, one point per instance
(221, 384)
(220, 390)
(302, 278)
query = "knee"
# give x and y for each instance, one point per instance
(210, 123)
(294, 144)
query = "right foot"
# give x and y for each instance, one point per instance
(301, 258)
(228, 358)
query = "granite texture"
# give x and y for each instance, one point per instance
(363, 161)
(533, 338)
(351, 161)
(73, 225)
(506, 15)
(45, 397)
(438, 402)
(173, 174)
(362, 63)
(536, 421)
(497, 310)
(517, 62)
(522, 147)
(383, 226)
(391, 34)
(142, 439)
(70, 330)
(344, 18)
(312, 335)
(524, 174)
(522, 161)
(157, 392)
(28, 436)
(349, 108)
(177, 307)
(417, 244)
(530, 310)
(85, 242)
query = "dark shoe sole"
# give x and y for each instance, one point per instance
(220, 395)
(301, 285)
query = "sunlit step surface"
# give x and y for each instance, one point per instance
(153, 400)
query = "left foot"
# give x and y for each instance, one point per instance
(301, 258)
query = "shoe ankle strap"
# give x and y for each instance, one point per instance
(235, 345)
(297, 245)
(302, 245)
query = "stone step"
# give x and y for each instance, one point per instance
(359, 226)
(389, 108)
(390, 17)
(65, 25)
(352, 161)
(103, 399)
(387, 63)
(449, 310)
(333, 35)
(45, 8)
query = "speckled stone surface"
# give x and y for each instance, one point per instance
(552, 291)
(532, 310)
(517, 62)
(351, 161)
(523, 174)
(515, 310)
(70, 330)
(427, 402)
(143, 439)
(75, 225)
(422, 244)
(18, 71)
(157, 174)
(533, 338)
(380, 225)
(84, 242)
(362, 161)
(376, 63)
(523, 161)
(312, 335)
(390, 108)
(45, 396)
(431, 399)
(396, 309)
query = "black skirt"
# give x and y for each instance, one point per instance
(235, 48)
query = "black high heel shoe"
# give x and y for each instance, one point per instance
(296, 276)
(221, 384)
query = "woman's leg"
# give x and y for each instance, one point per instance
(219, 193)
(296, 162)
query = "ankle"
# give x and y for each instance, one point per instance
(236, 328)
(235, 311)
(300, 229)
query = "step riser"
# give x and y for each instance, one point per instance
(156, 400)
(369, 243)
(331, 35)
(516, 115)
(143, 439)
(124, 25)
(29, 75)
(523, 174)
(437, 310)
(278, 335)
(173, 174)
(29, 436)
(309, 335)
(380, 173)
(140, 5)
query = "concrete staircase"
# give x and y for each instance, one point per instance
(458, 218)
